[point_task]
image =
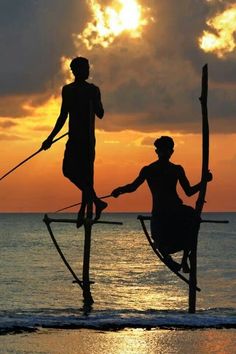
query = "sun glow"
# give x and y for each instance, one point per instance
(223, 40)
(111, 21)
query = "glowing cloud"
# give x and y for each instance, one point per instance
(111, 21)
(65, 66)
(223, 40)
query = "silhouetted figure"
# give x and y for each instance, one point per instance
(82, 101)
(174, 226)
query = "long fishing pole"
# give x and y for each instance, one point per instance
(73, 205)
(30, 157)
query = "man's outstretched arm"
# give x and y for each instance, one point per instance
(129, 188)
(59, 123)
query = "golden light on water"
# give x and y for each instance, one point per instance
(223, 40)
(111, 21)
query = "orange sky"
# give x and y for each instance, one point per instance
(40, 186)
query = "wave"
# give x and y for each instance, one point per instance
(29, 321)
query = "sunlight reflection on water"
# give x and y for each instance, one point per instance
(136, 341)
(127, 274)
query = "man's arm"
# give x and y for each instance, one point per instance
(59, 123)
(184, 182)
(129, 188)
(98, 107)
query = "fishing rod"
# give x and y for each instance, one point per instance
(31, 156)
(73, 205)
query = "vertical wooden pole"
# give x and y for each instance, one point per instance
(88, 300)
(193, 279)
(202, 192)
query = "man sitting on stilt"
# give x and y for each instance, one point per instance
(82, 101)
(174, 226)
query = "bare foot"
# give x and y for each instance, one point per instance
(100, 206)
(80, 219)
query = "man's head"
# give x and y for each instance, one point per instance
(80, 68)
(164, 147)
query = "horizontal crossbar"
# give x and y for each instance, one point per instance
(48, 220)
(142, 217)
(216, 221)
(90, 282)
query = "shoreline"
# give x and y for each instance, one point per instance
(135, 341)
(111, 328)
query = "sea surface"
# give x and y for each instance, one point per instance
(132, 288)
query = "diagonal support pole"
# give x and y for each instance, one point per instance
(48, 221)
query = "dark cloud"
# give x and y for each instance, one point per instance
(147, 84)
(33, 37)
(14, 106)
(161, 77)
(135, 97)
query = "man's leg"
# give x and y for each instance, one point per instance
(76, 181)
(88, 194)
(99, 207)
(191, 221)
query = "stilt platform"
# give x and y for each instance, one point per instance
(88, 224)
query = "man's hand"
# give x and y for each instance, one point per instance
(46, 144)
(209, 176)
(116, 192)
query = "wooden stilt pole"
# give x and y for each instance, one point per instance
(202, 192)
(88, 299)
(85, 283)
(193, 280)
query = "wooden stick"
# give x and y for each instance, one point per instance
(74, 221)
(77, 280)
(148, 218)
(201, 197)
(88, 299)
(76, 204)
(215, 221)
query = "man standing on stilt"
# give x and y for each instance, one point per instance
(82, 101)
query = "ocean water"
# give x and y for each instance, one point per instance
(132, 287)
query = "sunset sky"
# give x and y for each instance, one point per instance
(146, 56)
